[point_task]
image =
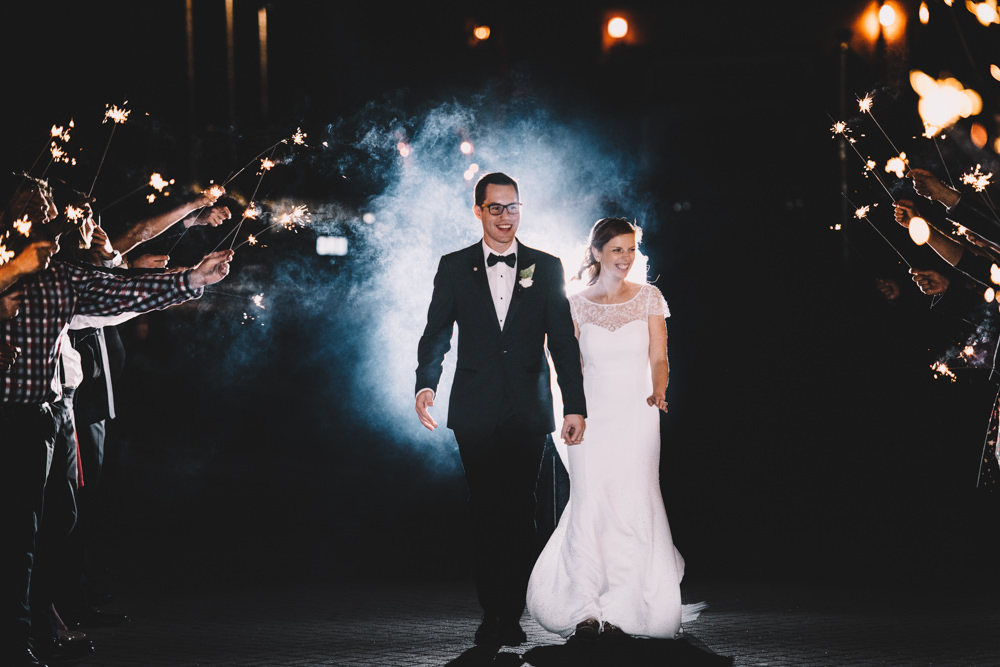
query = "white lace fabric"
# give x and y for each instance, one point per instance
(612, 316)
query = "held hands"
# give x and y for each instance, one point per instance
(425, 399)
(929, 281)
(572, 429)
(213, 268)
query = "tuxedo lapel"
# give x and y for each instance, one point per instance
(476, 270)
(525, 258)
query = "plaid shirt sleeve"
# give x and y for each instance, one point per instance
(52, 297)
(98, 292)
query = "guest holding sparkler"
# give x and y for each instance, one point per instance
(509, 303)
(960, 210)
(975, 262)
(610, 568)
(51, 297)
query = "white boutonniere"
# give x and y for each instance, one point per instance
(525, 277)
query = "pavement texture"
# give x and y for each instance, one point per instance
(415, 624)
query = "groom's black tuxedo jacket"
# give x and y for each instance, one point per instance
(499, 371)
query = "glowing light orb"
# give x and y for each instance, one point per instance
(978, 135)
(995, 274)
(920, 232)
(986, 12)
(481, 32)
(943, 102)
(404, 150)
(924, 13)
(466, 147)
(887, 16)
(989, 294)
(617, 28)
(368, 218)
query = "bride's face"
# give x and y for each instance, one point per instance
(617, 256)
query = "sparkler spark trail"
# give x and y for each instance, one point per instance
(118, 117)
(865, 105)
(941, 370)
(861, 213)
(840, 128)
(977, 179)
(23, 225)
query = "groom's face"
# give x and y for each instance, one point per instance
(498, 230)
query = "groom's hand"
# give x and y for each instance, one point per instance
(425, 399)
(572, 429)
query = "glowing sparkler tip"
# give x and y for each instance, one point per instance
(840, 127)
(266, 164)
(116, 114)
(865, 103)
(862, 212)
(299, 138)
(23, 225)
(258, 300)
(5, 255)
(252, 240)
(977, 179)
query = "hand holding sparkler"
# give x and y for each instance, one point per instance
(213, 217)
(100, 245)
(930, 281)
(928, 185)
(213, 268)
(34, 258)
(150, 261)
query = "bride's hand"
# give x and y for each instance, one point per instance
(655, 401)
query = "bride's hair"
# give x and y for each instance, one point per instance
(603, 231)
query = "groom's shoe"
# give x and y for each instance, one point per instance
(510, 633)
(488, 632)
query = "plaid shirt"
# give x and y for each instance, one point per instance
(52, 297)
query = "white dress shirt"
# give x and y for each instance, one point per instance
(501, 279)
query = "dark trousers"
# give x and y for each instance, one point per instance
(501, 469)
(28, 434)
(51, 542)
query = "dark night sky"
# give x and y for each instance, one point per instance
(806, 427)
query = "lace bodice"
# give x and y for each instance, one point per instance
(647, 301)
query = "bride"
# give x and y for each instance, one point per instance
(610, 568)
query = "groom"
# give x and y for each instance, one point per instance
(506, 299)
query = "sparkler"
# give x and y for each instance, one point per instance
(23, 225)
(941, 370)
(5, 255)
(298, 216)
(977, 179)
(118, 116)
(841, 128)
(862, 214)
(865, 105)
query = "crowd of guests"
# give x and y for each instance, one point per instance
(64, 285)
(965, 234)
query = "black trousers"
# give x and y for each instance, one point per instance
(501, 469)
(28, 433)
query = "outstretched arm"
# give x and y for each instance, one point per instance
(143, 231)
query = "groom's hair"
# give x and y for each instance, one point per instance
(494, 178)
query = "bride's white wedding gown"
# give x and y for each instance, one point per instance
(612, 556)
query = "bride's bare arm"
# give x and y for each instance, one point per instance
(658, 364)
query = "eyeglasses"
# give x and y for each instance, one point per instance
(497, 209)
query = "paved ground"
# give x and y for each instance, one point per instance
(408, 624)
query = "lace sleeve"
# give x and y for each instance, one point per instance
(655, 303)
(574, 308)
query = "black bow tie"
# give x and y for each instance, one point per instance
(510, 260)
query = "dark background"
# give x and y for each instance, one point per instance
(807, 435)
